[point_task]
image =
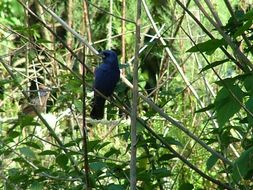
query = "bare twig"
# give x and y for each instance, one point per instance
(85, 135)
(180, 126)
(127, 20)
(40, 116)
(134, 113)
(237, 52)
(78, 36)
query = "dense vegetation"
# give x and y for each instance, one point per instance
(195, 108)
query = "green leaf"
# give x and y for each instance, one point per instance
(62, 160)
(112, 151)
(13, 134)
(36, 186)
(27, 152)
(243, 28)
(161, 172)
(115, 187)
(226, 105)
(93, 145)
(79, 105)
(248, 83)
(166, 157)
(249, 106)
(48, 152)
(210, 106)
(243, 165)
(33, 144)
(211, 161)
(186, 186)
(213, 64)
(226, 81)
(172, 141)
(26, 120)
(207, 46)
(97, 166)
(43, 41)
(13, 171)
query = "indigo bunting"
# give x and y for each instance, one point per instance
(106, 77)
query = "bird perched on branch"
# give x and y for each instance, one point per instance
(38, 100)
(106, 77)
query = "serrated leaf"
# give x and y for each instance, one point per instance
(226, 105)
(62, 160)
(27, 152)
(207, 46)
(213, 64)
(211, 161)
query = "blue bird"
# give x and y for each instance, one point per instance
(106, 77)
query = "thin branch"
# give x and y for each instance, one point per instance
(241, 57)
(53, 134)
(163, 114)
(123, 37)
(85, 135)
(245, 69)
(64, 24)
(118, 17)
(134, 113)
(230, 9)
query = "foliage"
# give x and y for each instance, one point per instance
(214, 101)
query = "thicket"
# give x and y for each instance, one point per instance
(195, 83)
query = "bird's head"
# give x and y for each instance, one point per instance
(110, 57)
(43, 90)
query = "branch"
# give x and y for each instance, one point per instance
(134, 113)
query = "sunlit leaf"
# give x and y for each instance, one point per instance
(36, 186)
(27, 152)
(225, 103)
(214, 64)
(97, 166)
(207, 46)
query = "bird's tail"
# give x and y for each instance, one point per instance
(97, 111)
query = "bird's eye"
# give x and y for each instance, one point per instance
(105, 54)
